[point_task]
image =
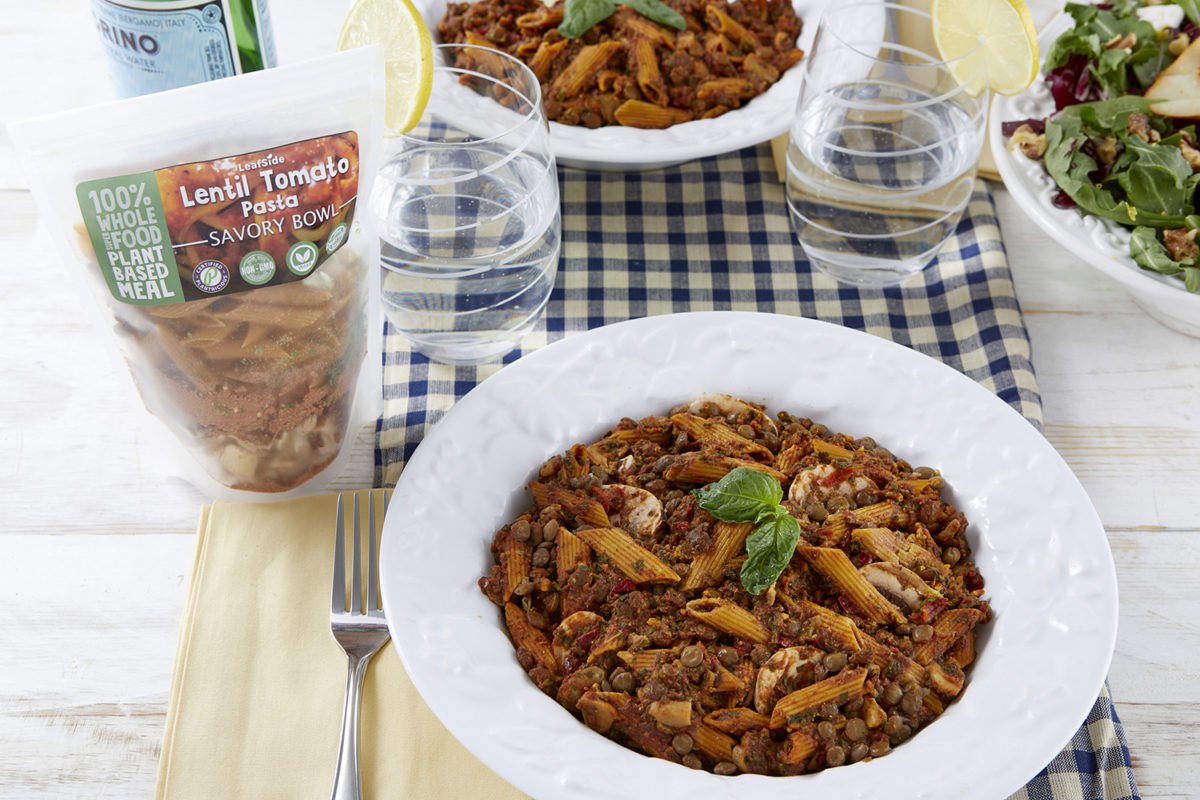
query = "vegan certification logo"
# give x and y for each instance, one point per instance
(302, 257)
(210, 276)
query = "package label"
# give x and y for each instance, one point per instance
(236, 223)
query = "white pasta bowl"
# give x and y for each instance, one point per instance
(1037, 541)
(1100, 242)
(617, 148)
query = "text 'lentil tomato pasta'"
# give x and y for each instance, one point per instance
(626, 600)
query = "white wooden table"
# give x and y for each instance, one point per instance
(95, 543)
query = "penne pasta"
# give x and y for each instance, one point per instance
(729, 618)
(799, 746)
(828, 448)
(659, 645)
(514, 559)
(584, 509)
(736, 721)
(646, 72)
(628, 69)
(719, 20)
(634, 561)
(707, 568)
(643, 114)
(712, 742)
(571, 553)
(795, 709)
(885, 545)
(572, 80)
(529, 638)
(714, 433)
(835, 565)
(706, 467)
(948, 628)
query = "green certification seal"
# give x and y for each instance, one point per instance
(337, 237)
(257, 267)
(302, 257)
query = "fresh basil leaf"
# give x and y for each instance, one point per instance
(743, 495)
(659, 12)
(1149, 253)
(769, 548)
(579, 15)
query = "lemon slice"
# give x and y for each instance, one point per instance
(397, 27)
(990, 44)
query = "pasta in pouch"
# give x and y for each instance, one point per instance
(217, 227)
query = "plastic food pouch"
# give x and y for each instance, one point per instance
(218, 227)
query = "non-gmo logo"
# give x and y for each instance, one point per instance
(210, 276)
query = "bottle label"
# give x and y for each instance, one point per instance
(228, 225)
(152, 46)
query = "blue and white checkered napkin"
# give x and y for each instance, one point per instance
(714, 234)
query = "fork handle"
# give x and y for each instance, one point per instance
(345, 778)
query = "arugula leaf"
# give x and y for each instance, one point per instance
(1150, 253)
(1111, 68)
(579, 15)
(1153, 195)
(1156, 177)
(770, 548)
(743, 495)
(1191, 279)
(659, 12)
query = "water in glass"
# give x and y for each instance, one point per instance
(467, 209)
(882, 151)
(469, 259)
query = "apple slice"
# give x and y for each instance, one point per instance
(1177, 88)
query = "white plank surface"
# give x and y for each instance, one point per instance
(95, 542)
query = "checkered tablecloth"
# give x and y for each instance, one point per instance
(714, 234)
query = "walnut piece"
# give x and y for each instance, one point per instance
(1033, 145)
(1181, 243)
(1139, 126)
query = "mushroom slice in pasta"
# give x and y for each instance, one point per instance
(784, 672)
(728, 404)
(899, 585)
(635, 510)
(824, 481)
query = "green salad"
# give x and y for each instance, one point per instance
(1122, 142)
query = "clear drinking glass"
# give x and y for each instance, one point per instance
(882, 151)
(468, 211)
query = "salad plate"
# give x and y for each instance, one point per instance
(618, 148)
(1036, 539)
(1100, 242)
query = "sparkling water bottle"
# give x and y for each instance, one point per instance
(152, 45)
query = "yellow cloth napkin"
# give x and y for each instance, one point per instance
(920, 37)
(256, 694)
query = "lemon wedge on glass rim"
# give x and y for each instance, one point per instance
(990, 44)
(397, 27)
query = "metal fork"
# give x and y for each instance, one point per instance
(360, 632)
